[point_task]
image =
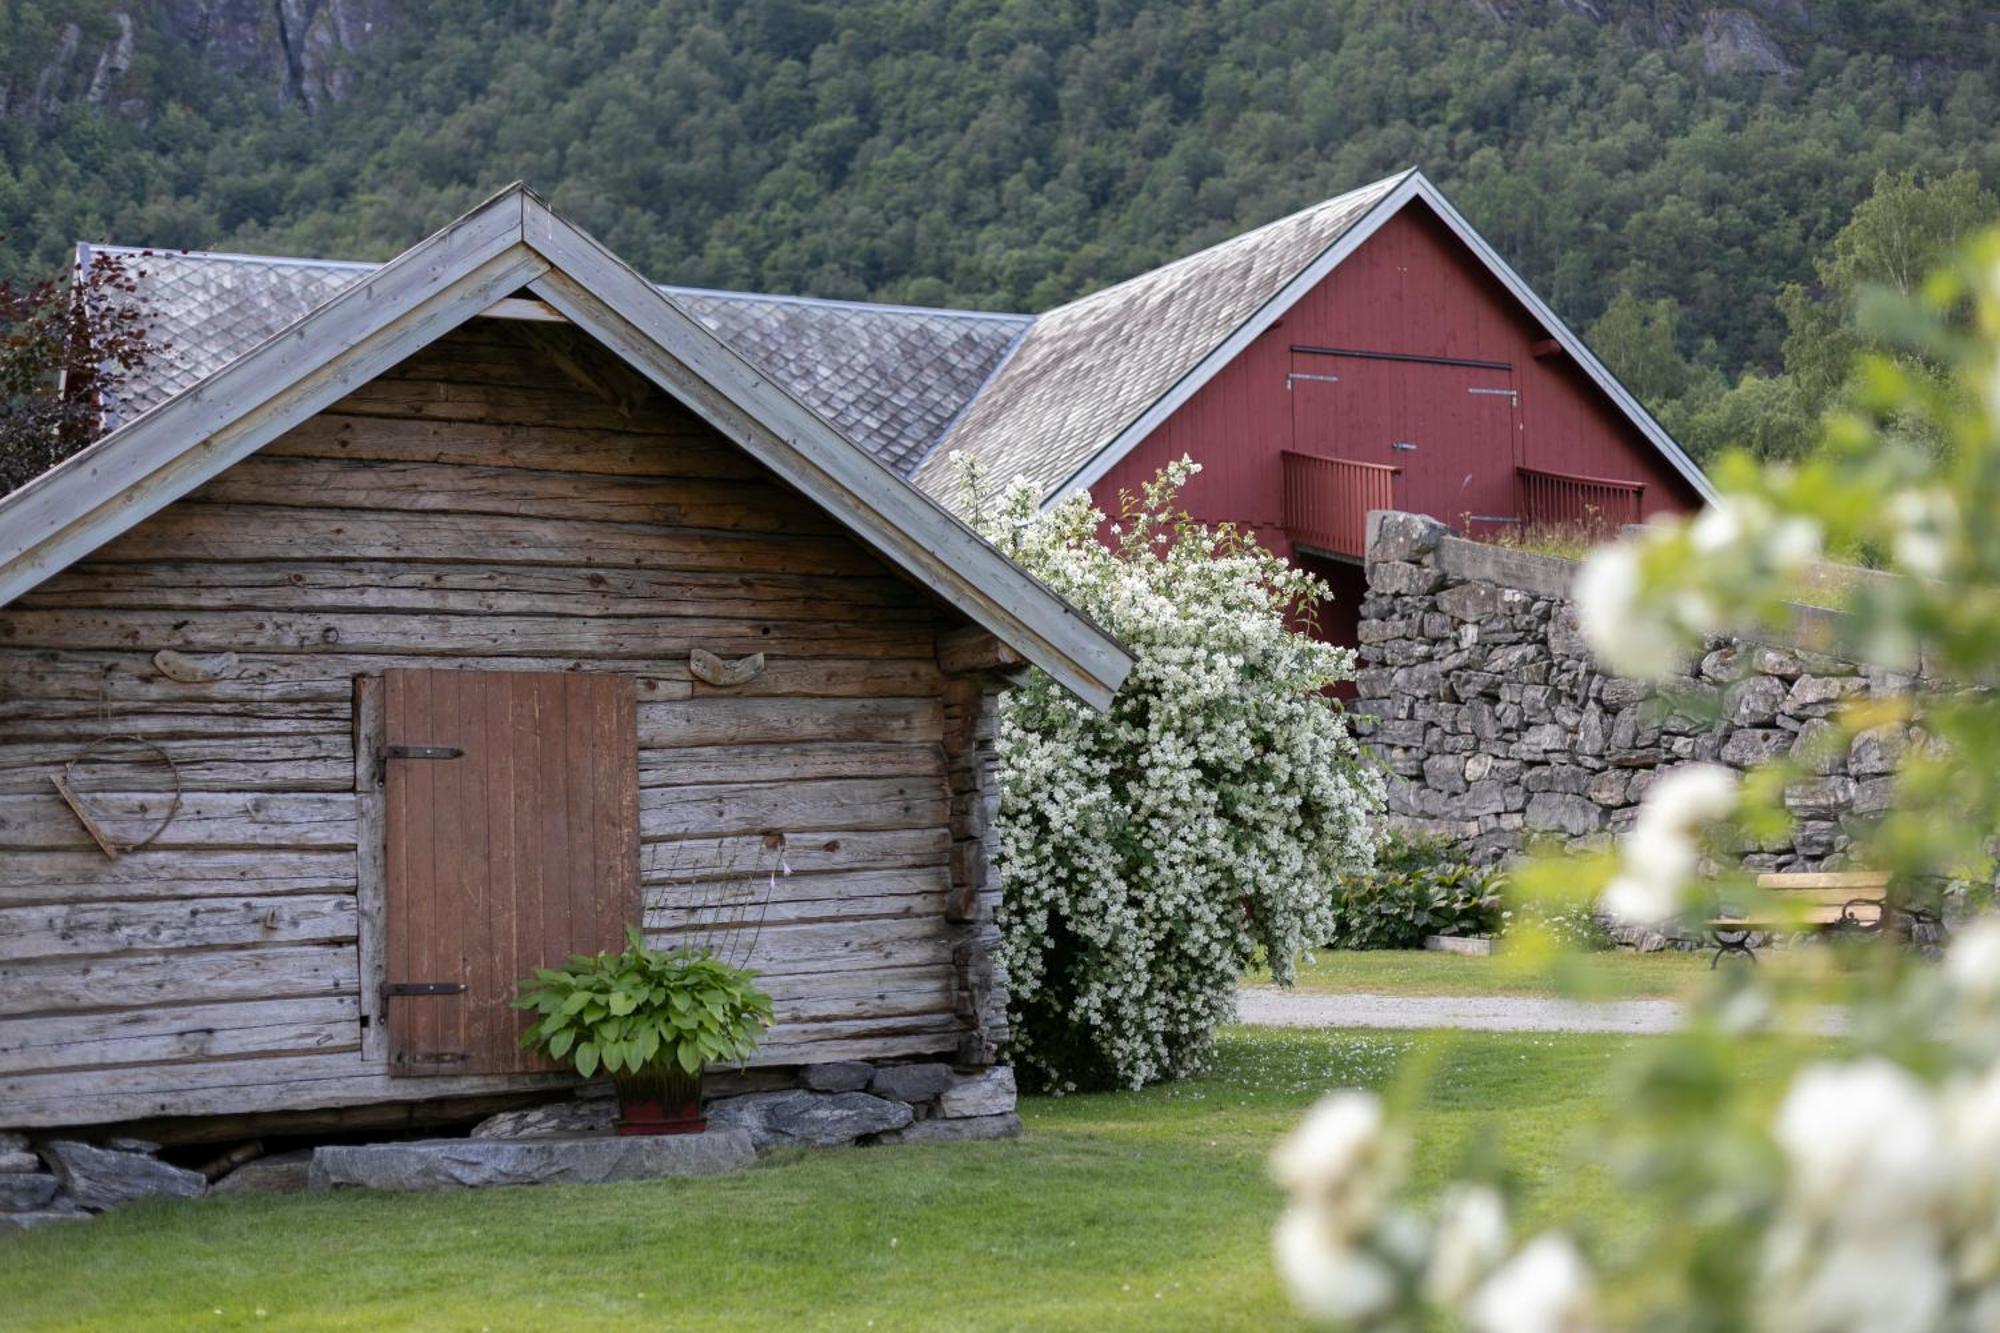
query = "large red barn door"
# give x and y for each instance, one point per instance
(1451, 426)
(512, 815)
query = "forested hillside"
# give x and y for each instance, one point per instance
(996, 152)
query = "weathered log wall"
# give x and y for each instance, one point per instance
(484, 506)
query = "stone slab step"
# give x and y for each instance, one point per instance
(441, 1164)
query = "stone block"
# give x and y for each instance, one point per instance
(1755, 701)
(816, 1119)
(1813, 691)
(1608, 787)
(13, 1141)
(1820, 798)
(100, 1178)
(284, 1173)
(1557, 812)
(14, 1162)
(25, 1221)
(26, 1192)
(568, 1119)
(1399, 578)
(1619, 693)
(837, 1076)
(1405, 537)
(911, 1083)
(1755, 745)
(962, 1130)
(1445, 773)
(1479, 601)
(443, 1164)
(990, 1092)
(1877, 750)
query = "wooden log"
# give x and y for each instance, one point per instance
(969, 649)
(47, 877)
(371, 851)
(193, 531)
(310, 762)
(784, 762)
(744, 721)
(691, 452)
(730, 505)
(124, 684)
(716, 906)
(540, 590)
(421, 634)
(173, 1034)
(676, 860)
(240, 1087)
(791, 807)
(152, 926)
(785, 949)
(206, 819)
(516, 405)
(222, 974)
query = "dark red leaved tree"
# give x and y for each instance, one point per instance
(63, 345)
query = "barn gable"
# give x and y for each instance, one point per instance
(515, 244)
(1093, 380)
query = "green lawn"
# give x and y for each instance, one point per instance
(1116, 1211)
(1603, 976)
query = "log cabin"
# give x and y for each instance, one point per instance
(488, 606)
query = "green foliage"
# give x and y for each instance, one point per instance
(645, 1010)
(992, 154)
(1420, 886)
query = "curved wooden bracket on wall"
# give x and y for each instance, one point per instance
(710, 669)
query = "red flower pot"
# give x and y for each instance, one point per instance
(660, 1102)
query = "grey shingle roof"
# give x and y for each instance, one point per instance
(1088, 369)
(889, 378)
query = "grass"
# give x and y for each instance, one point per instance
(1123, 1210)
(1413, 972)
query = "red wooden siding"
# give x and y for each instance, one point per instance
(513, 855)
(1439, 328)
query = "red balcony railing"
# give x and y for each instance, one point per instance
(1327, 501)
(1591, 506)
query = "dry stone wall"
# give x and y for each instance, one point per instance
(1496, 725)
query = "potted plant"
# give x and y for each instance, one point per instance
(652, 1019)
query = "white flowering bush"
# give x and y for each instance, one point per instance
(1150, 853)
(1864, 1197)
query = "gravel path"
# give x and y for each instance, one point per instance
(1265, 1006)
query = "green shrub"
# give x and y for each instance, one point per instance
(1420, 886)
(645, 1010)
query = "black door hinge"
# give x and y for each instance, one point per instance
(388, 752)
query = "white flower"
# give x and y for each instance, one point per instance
(1642, 900)
(1335, 1139)
(1618, 630)
(1864, 1143)
(1546, 1288)
(1471, 1238)
(1972, 964)
(1720, 526)
(1660, 854)
(1894, 1282)
(1325, 1276)
(1794, 543)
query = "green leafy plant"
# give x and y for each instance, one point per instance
(645, 1011)
(1420, 886)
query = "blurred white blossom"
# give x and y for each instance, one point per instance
(1546, 1288)
(1662, 852)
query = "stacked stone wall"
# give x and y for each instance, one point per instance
(1496, 725)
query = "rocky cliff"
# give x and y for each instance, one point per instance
(302, 50)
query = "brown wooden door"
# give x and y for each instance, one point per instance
(511, 855)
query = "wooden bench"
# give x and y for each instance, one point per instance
(1828, 900)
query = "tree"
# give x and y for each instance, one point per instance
(1897, 234)
(62, 345)
(1148, 854)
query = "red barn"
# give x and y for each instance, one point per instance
(1370, 352)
